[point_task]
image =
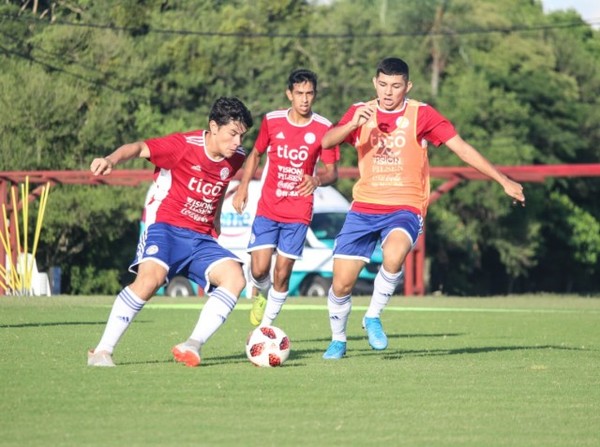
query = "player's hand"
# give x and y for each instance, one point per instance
(101, 166)
(364, 113)
(515, 190)
(240, 200)
(308, 185)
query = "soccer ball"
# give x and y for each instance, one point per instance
(267, 346)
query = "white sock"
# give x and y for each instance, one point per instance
(275, 301)
(219, 305)
(383, 288)
(339, 311)
(126, 306)
(263, 286)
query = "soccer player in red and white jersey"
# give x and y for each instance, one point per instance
(193, 170)
(291, 138)
(391, 196)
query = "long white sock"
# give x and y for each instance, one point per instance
(275, 302)
(383, 288)
(339, 311)
(219, 305)
(126, 306)
(263, 286)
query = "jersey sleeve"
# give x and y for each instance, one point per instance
(262, 140)
(437, 129)
(346, 118)
(165, 152)
(331, 155)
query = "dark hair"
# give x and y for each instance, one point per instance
(392, 66)
(226, 110)
(302, 75)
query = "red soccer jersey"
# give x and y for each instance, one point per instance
(188, 183)
(292, 151)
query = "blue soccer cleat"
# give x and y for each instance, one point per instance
(377, 338)
(336, 350)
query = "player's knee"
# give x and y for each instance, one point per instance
(235, 284)
(145, 285)
(341, 289)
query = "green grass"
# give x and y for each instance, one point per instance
(458, 372)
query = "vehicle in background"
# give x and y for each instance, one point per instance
(312, 275)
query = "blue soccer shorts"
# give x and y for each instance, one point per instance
(181, 252)
(361, 231)
(288, 238)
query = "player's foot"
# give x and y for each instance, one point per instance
(335, 351)
(258, 309)
(377, 338)
(184, 353)
(100, 358)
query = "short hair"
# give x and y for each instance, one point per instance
(228, 109)
(302, 75)
(392, 66)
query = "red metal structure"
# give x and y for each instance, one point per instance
(414, 266)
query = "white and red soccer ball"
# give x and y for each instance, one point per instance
(267, 346)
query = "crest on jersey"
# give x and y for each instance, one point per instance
(224, 173)
(402, 122)
(310, 138)
(152, 250)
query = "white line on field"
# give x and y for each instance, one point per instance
(323, 307)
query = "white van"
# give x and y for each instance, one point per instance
(312, 274)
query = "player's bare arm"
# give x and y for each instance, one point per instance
(105, 165)
(310, 182)
(472, 157)
(338, 134)
(240, 198)
(217, 220)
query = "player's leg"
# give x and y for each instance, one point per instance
(263, 240)
(399, 236)
(292, 237)
(219, 271)
(339, 303)
(127, 305)
(151, 268)
(260, 281)
(353, 248)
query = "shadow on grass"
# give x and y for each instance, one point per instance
(398, 354)
(62, 323)
(390, 336)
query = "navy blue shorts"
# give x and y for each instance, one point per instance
(288, 238)
(181, 252)
(361, 231)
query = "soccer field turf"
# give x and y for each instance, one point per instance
(517, 371)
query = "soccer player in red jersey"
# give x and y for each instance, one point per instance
(193, 170)
(292, 140)
(391, 196)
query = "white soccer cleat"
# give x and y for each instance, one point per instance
(100, 358)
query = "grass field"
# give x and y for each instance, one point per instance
(458, 372)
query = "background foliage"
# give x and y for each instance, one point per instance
(80, 78)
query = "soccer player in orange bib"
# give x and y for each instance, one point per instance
(391, 196)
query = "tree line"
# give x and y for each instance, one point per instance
(80, 78)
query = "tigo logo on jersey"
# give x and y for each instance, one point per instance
(296, 156)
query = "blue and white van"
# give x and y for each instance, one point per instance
(312, 274)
